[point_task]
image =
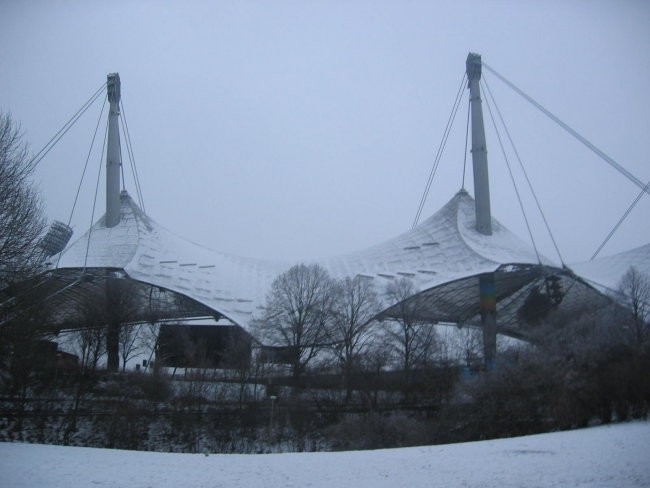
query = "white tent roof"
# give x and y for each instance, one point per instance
(606, 273)
(444, 248)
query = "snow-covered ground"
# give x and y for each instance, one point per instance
(608, 456)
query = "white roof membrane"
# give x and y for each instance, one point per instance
(443, 249)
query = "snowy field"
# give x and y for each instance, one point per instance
(609, 456)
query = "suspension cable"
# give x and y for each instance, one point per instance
(119, 142)
(66, 127)
(8, 319)
(83, 173)
(469, 106)
(523, 169)
(514, 184)
(620, 221)
(128, 153)
(92, 215)
(45, 278)
(553, 117)
(129, 148)
(441, 148)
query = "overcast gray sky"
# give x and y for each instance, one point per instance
(298, 129)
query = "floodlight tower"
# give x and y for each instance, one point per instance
(113, 159)
(487, 286)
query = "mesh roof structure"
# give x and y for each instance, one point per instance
(605, 273)
(444, 256)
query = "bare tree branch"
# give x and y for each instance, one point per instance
(298, 310)
(21, 212)
(635, 287)
(355, 306)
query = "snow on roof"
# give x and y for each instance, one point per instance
(445, 247)
(606, 273)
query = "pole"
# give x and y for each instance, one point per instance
(113, 163)
(487, 285)
(479, 148)
(113, 160)
(487, 290)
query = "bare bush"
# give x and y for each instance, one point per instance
(379, 431)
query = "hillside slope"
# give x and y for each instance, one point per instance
(606, 456)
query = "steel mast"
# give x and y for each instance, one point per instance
(486, 281)
(113, 166)
(113, 160)
(479, 148)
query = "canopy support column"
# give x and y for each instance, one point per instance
(113, 166)
(113, 322)
(488, 317)
(479, 148)
(113, 159)
(487, 290)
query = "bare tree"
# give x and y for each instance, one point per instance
(21, 227)
(354, 308)
(21, 212)
(123, 304)
(239, 362)
(148, 341)
(98, 313)
(462, 345)
(24, 315)
(130, 342)
(89, 344)
(635, 287)
(298, 309)
(90, 341)
(375, 360)
(413, 340)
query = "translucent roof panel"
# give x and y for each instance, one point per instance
(442, 256)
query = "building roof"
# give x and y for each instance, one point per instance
(444, 248)
(606, 273)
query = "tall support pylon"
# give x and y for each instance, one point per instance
(113, 166)
(488, 307)
(113, 160)
(486, 284)
(479, 148)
